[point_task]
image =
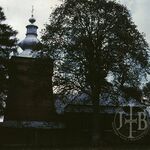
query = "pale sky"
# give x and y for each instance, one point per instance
(19, 11)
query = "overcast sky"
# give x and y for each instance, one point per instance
(19, 11)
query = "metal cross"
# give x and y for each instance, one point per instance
(32, 10)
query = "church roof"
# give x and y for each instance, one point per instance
(30, 41)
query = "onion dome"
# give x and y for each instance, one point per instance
(30, 42)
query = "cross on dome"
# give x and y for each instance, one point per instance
(32, 19)
(32, 10)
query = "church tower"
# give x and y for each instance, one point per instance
(30, 43)
(30, 96)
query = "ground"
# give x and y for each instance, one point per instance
(79, 148)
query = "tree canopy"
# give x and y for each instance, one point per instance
(8, 44)
(96, 47)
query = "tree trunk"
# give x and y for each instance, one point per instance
(96, 140)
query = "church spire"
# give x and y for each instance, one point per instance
(30, 42)
(32, 19)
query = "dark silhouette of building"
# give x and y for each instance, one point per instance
(30, 92)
